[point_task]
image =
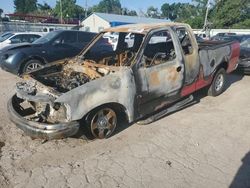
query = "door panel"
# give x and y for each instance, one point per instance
(161, 73)
(190, 51)
(164, 78)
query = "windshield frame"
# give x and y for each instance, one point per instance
(83, 56)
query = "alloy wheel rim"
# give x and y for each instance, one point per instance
(219, 82)
(103, 123)
(33, 66)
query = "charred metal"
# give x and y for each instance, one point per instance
(157, 66)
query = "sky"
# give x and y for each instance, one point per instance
(8, 6)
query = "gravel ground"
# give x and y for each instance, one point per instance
(205, 145)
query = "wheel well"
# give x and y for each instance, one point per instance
(31, 58)
(223, 65)
(119, 109)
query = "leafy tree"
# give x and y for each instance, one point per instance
(25, 6)
(69, 9)
(178, 11)
(108, 6)
(80, 12)
(195, 22)
(172, 11)
(43, 10)
(43, 7)
(232, 14)
(153, 12)
(128, 12)
(166, 10)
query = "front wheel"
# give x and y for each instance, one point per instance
(31, 65)
(103, 123)
(218, 85)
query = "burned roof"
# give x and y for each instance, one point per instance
(143, 28)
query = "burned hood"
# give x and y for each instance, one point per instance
(66, 75)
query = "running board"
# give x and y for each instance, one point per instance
(177, 106)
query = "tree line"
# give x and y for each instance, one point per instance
(221, 13)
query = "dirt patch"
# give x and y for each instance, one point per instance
(200, 146)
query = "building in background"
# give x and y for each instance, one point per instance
(96, 22)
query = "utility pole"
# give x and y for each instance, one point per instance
(86, 8)
(205, 22)
(61, 11)
(205, 26)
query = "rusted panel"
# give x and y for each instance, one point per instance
(172, 74)
(154, 79)
(164, 78)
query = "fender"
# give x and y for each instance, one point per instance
(118, 87)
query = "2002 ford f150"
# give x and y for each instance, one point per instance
(156, 73)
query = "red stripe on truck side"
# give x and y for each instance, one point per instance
(234, 59)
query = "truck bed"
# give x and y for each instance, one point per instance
(212, 45)
(213, 53)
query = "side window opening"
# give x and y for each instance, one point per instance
(85, 37)
(16, 39)
(70, 38)
(185, 41)
(159, 50)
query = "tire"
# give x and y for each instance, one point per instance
(103, 122)
(31, 65)
(218, 85)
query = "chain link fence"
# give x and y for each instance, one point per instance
(33, 27)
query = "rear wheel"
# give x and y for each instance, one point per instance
(31, 65)
(103, 123)
(218, 85)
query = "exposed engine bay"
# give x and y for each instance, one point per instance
(37, 96)
(66, 76)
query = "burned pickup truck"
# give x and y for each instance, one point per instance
(160, 69)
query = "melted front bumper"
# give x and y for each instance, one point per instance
(37, 129)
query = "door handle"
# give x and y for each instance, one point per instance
(178, 69)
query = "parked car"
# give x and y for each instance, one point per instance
(53, 46)
(239, 38)
(4, 34)
(225, 34)
(9, 38)
(199, 39)
(143, 82)
(244, 63)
